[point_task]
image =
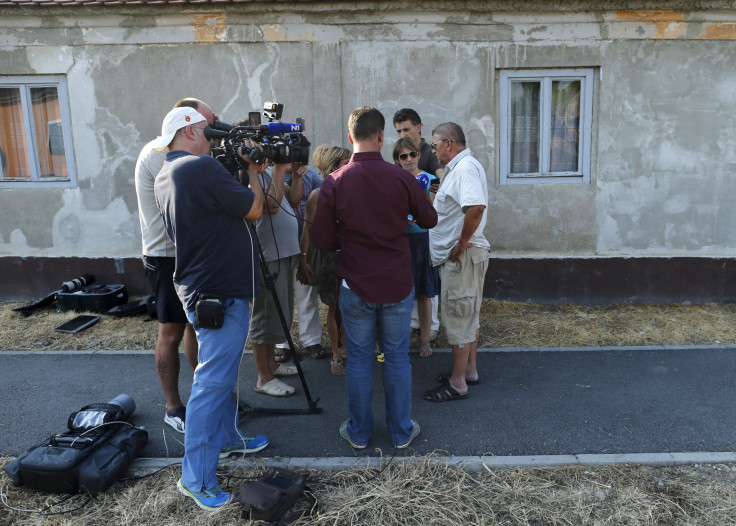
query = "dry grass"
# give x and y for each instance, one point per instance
(503, 324)
(429, 493)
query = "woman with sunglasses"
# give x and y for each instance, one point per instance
(426, 277)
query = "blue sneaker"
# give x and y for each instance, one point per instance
(210, 499)
(344, 434)
(246, 445)
(415, 430)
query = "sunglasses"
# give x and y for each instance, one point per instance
(405, 156)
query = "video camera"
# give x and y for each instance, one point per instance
(279, 142)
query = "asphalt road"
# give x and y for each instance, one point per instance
(531, 402)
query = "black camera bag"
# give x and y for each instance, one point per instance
(271, 497)
(79, 460)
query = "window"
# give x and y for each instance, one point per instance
(35, 133)
(546, 123)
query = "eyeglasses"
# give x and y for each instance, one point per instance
(405, 156)
(435, 144)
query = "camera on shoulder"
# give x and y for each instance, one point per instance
(278, 142)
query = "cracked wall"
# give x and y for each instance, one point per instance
(664, 141)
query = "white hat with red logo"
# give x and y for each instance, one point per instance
(175, 120)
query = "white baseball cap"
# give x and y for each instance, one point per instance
(175, 120)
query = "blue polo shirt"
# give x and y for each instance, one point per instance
(202, 207)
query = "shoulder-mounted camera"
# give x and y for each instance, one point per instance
(279, 142)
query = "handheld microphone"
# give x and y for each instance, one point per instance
(423, 180)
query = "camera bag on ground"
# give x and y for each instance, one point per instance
(133, 308)
(92, 298)
(270, 498)
(91, 456)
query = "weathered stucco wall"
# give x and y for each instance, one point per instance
(664, 141)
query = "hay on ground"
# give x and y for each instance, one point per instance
(503, 324)
(425, 492)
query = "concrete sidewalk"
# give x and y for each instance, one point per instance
(555, 406)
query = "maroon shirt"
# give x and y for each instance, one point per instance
(362, 210)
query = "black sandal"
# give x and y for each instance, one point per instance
(444, 393)
(282, 356)
(445, 379)
(316, 351)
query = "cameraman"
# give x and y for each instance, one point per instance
(204, 211)
(159, 262)
(278, 235)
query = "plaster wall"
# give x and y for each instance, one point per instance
(664, 139)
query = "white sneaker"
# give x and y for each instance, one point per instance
(285, 370)
(275, 387)
(176, 419)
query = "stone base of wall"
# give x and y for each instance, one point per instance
(538, 280)
(599, 281)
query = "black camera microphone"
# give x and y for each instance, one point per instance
(271, 128)
(277, 128)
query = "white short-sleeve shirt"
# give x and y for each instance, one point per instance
(463, 184)
(153, 234)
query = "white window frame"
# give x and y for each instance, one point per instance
(546, 77)
(24, 84)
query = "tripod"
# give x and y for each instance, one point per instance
(311, 408)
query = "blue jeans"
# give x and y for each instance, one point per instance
(212, 416)
(361, 320)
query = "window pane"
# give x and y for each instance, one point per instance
(49, 137)
(525, 127)
(13, 158)
(565, 136)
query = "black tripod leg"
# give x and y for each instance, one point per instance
(297, 358)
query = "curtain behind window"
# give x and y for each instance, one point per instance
(13, 146)
(525, 100)
(49, 137)
(565, 126)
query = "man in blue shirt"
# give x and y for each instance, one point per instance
(204, 211)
